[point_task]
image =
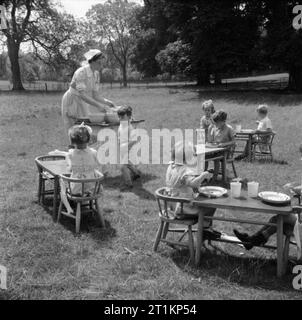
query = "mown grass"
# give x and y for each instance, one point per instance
(46, 260)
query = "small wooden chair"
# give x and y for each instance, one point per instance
(262, 145)
(167, 217)
(45, 176)
(85, 202)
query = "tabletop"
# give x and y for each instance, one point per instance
(243, 203)
(55, 167)
(214, 149)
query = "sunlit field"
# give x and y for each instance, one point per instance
(46, 260)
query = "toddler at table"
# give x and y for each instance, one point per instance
(181, 182)
(221, 135)
(82, 162)
(206, 120)
(126, 137)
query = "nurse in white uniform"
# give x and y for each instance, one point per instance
(82, 100)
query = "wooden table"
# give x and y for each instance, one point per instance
(55, 168)
(243, 204)
(246, 135)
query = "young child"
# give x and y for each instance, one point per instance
(264, 123)
(221, 134)
(125, 134)
(181, 182)
(206, 120)
(82, 162)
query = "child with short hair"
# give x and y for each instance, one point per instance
(126, 141)
(221, 135)
(181, 182)
(206, 120)
(264, 123)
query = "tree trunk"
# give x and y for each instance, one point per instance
(217, 78)
(295, 79)
(203, 79)
(125, 80)
(13, 53)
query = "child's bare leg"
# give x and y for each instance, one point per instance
(99, 209)
(126, 173)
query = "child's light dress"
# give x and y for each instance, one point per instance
(83, 164)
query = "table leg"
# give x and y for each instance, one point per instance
(280, 246)
(199, 238)
(55, 197)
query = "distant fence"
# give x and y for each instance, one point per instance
(227, 84)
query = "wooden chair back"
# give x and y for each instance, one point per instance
(167, 203)
(83, 195)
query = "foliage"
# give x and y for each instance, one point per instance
(113, 22)
(175, 58)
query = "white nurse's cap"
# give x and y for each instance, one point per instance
(91, 53)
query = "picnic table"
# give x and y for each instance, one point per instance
(246, 135)
(245, 205)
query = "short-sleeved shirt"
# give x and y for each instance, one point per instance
(264, 124)
(225, 134)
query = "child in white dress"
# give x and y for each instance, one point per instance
(82, 161)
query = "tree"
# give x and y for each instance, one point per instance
(113, 22)
(175, 58)
(283, 44)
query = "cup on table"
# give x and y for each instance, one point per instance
(238, 128)
(252, 189)
(235, 189)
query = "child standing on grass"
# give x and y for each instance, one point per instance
(181, 182)
(206, 120)
(126, 135)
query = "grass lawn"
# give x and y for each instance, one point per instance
(46, 260)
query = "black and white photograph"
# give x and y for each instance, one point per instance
(151, 151)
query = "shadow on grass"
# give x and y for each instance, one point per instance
(89, 224)
(244, 271)
(138, 189)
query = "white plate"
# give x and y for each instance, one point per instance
(274, 197)
(212, 191)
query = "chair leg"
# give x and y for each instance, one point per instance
(43, 191)
(191, 244)
(158, 236)
(285, 253)
(78, 217)
(40, 188)
(60, 211)
(166, 229)
(99, 211)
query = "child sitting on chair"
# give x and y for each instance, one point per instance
(126, 135)
(181, 182)
(82, 161)
(206, 121)
(221, 135)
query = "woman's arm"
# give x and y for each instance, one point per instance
(100, 99)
